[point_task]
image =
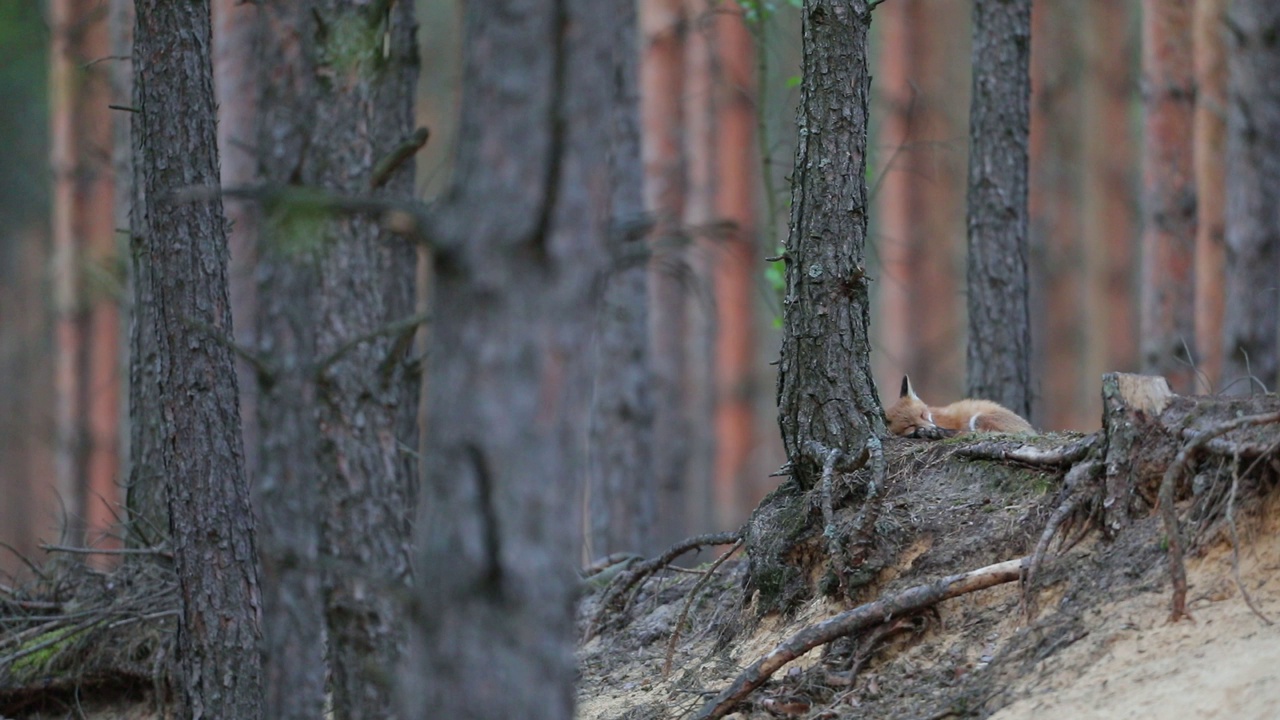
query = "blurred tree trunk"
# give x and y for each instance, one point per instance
(664, 26)
(1108, 202)
(287, 468)
(999, 349)
(826, 396)
(181, 304)
(364, 73)
(1208, 150)
(87, 359)
(127, 196)
(739, 263)
(27, 422)
(621, 470)
(518, 267)
(1169, 194)
(235, 80)
(700, 228)
(1252, 314)
(1054, 204)
(921, 196)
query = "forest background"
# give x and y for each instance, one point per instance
(719, 87)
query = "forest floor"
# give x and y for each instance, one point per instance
(1101, 645)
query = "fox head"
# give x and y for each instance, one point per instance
(908, 414)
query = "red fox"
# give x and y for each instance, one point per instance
(910, 417)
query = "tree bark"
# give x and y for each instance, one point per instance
(826, 395)
(520, 255)
(999, 348)
(235, 30)
(623, 490)
(1252, 315)
(287, 468)
(183, 370)
(364, 76)
(1169, 190)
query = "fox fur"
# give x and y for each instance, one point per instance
(909, 416)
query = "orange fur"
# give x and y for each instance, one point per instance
(909, 415)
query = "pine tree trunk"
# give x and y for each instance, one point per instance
(87, 360)
(520, 256)
(235, 28)
(999, 349)
(365, 74)
(181, 304)
(1209, 149)
(826, 395)
(1108, 203)
(1168, 239)
(1252, 313)
(287, 468)
(664, 27)
(623, 491)
(738, 265)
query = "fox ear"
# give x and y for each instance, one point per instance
(907, 390)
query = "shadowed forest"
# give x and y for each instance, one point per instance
(387, 331)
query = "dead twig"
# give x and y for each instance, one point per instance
(627, 580)
(684, 612)
(106, 551)
(851, 621)
(394, 159)
(1169, 514)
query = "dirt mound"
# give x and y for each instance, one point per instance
(1100, 645)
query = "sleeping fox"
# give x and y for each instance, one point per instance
(910, 417)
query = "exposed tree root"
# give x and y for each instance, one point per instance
(908, 601)
(684, 612)
(1017, 451)
(1080, 477)
(623, 584)
(1169, 513)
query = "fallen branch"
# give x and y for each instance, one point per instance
(624, 582)
(1169, 514)
(1235, 538)
(851, 621)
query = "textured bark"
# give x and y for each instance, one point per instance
(287, 468)
(1252, 323)
(181, 304)
(999, 349)
(825, 391)
(234, 81)
(1108, 202)
(1208, 153)
(1169, 193)
(87, 372)
(664, 25)
(622, 490)
(520, 255)
(738, 265)
(365, 69)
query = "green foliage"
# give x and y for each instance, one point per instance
(24, 115)
(755, 11)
